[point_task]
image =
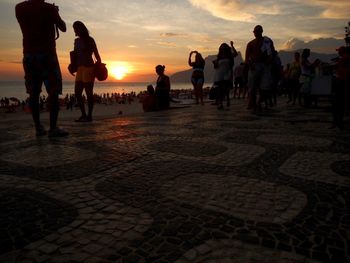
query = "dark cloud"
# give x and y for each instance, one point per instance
(323, 45)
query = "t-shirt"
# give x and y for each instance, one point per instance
(223, 71)
(259, 49)
(84, 50)
(37, 20)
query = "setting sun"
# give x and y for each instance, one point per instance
(119, 69)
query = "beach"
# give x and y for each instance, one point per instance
(101, 111)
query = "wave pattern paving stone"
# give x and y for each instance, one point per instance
(316, 166)
(294, 140)
(245, 198)
(211, 153)
(230, 251)
(50, 155)
(27, 216)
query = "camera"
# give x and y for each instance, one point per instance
(55, 6)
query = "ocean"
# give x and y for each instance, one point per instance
(16, 88)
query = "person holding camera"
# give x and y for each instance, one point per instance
(197, 78)
(39, 23)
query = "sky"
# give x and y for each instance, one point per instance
(136, 35)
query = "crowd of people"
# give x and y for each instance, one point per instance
(258, 78)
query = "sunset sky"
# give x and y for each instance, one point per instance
(136, 35)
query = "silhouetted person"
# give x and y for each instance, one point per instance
(84, 48)
(39, 22)
(223, 78)
(276, 73)
(307, 73)
(239, 81)
(162, 89)
(341, 87)
(293, 75)
(258, 58)
(197, 78)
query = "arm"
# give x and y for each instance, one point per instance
(167, 83)
(189, 59)
(247, 54)
(61, 25)
(234, 51)
(95, 51)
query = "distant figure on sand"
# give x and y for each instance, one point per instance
(223, 77)
(258, 57)
(162, 89)
(40, 22)
(197, 78)
(84, 48)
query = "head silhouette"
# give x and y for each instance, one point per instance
(160, 69)
(199, 57)
(224, 51)
(80, 29)
(258, 30)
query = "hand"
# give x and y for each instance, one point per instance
(56, 7)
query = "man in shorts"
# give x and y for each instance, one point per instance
(259, 58)
(39, 22)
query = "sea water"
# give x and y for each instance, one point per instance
(17, 89)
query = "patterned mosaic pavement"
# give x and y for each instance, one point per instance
(185, 185)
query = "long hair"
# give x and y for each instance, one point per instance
(81, 29)
(224, 51)
(199, 59)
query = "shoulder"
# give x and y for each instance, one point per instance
(252, 42)
(50, 7)
(20, 7)
(92, 41)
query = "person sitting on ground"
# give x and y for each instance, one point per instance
(149, 101)
(162, 89)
